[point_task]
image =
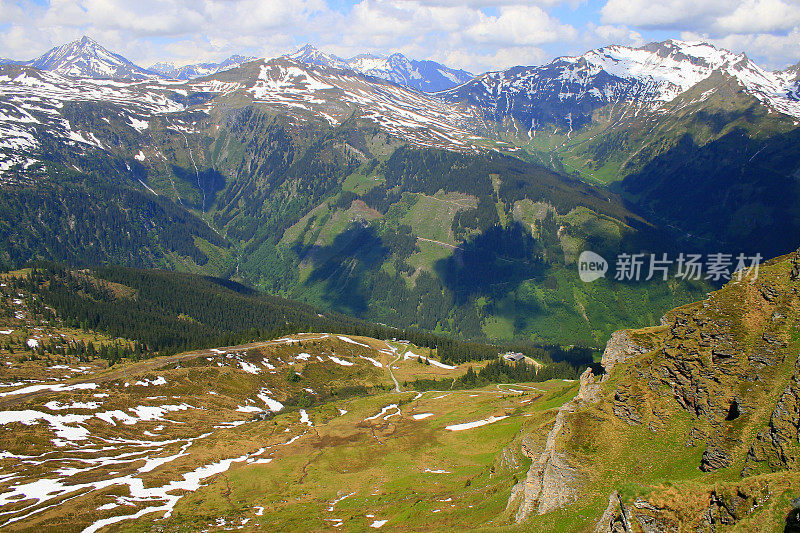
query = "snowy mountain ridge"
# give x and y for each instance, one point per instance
(85, 58)
(34, 107)
(568, 89)
(332, 95)
(37, 108)
(198, 70)
(676, 66)
(426, 76)
(312, 86)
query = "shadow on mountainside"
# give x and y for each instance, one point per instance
(344, 266)
(734, 194)
(492, 263)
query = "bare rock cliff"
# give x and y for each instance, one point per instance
(552, 479)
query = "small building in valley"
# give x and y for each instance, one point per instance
(514, 357)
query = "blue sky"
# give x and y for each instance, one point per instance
(474, 35)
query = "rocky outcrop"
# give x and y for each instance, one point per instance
(724, 362)
(773, 447)
(721, 508)
(704, 356)
(620, 348)
(615, 517)
(624, 408)
(551, 480)
(641, 516)
(713, 458)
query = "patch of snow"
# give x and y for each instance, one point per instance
(371, 360)
(59, 387)
(249, 367)
(147, 382)
(337, 500)
(56, 406)
(477, 423)
(141, 413)
(412, 355)
(58, 423)
(339, 361)
(272, 405)
(138, 125)
(351, 341)
(191, 482)
(249, 409)
(384, 411)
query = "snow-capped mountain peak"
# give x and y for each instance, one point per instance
(674, 65)
(792, 73)
(162, 67)
(396, 67)
(311, 55)
(85, 58)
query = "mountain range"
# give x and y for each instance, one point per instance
(567, 91)
(462, 211)
(426, 76)
(197, 70)
(85, 58)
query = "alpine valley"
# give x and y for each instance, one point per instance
(311, 293)
(340, 183)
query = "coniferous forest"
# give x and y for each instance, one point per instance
(164, 312)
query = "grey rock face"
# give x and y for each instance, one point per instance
(552, 480)
(619, 348)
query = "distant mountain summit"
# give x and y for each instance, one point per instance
(85, 58)
(426, 76)
(198, 70)
(311, 55)
(792, 73)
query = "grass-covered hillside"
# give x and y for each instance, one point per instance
(693, 425)
(714, 166)
(470, 244)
